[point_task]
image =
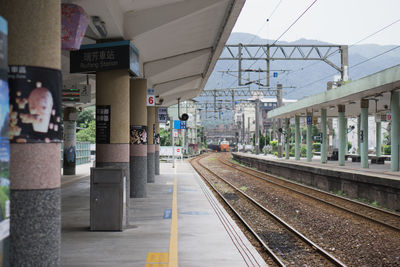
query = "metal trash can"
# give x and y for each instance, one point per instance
(106, 199)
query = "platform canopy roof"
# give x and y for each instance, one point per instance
(375, 87)
(179, 41)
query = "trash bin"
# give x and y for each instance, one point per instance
(106, 199)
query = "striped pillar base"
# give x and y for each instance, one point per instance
(157, 160)
(138, 170)
(150, 163)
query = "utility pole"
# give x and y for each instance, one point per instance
(257, 141)
(248, 130)
(279, 102)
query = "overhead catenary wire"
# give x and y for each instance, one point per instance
(351, 67)
(350, 46)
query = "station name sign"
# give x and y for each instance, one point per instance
(105, 56)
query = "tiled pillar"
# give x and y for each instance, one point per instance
(287, 138)
(297, 137)
(112, 108)
(342, 135)
(151, 115)
(309, 139)
(157, 150)
(34, 53)
(395, 130)
(138, 138)
(323, 139)
(364, 133)
(69, 149)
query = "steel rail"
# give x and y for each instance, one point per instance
(310, 243)
(393, 227)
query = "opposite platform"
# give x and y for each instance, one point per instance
(180, 222)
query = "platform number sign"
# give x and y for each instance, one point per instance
(275, 75)
(150, 97)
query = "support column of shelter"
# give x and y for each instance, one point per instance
(151, 116)
(157, 150)
(69, 148)
(138, 137)
(364, 133)
(342, 135)
(34, 58)
(395, 130)
(112, 104)
(297, 137)
(324, 136)
(359, 134)
(378, 139)
(287, 138)
(309, 139)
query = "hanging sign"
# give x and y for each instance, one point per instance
(388, 116)
(105, 56)
(79, 93)
(150, 98)
(162, 114)
(177, 124)
(309, 120)
(183, 124)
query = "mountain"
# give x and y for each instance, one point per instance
(300, 73)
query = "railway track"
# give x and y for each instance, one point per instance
(284, 244)
(379, 216)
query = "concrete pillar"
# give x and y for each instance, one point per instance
(324, 136)
(151, 126)
(157, 150)
(34, 42)
(297, 137)
(342, 134)
(287, 138)
(112, 137)
(395, 130)
(138, 138)
(309, 140)
(359, 134)
(364, 133)
(69, 149)
(378, 139)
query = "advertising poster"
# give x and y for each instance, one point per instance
(4, 148)
(35, 105)
(138, 135)
(69, 144)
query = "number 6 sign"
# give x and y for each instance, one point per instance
(150, 97)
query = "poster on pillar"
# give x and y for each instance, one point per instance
(35, 105)
(138, 135)
(4, 144)
(103, 117)
(69, 144)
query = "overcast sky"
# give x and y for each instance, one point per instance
(334, 21)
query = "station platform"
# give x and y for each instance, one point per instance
(179, 223)
(376, 184)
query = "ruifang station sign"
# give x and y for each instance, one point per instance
(105, 56)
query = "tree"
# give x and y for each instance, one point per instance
(85, 117)
(87, 134)
(165, 137)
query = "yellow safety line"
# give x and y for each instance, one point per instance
(173, 241)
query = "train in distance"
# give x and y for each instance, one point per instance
(223, 146)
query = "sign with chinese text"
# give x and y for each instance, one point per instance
(162, 115)
(103, 117)
(79, 93)
(105, 56)
(309, 120)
